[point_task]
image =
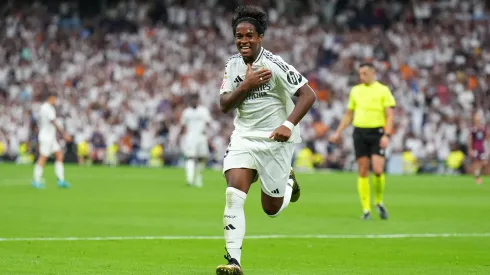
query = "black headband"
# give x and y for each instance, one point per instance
(258, 27)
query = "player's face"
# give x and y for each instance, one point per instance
(194, 102)
(247, 40)
(366, 75)
(52, 100)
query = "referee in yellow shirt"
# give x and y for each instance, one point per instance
(370, 110)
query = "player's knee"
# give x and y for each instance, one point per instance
(271, 211)
(363, 171)
(378, 173)
(272, 208)
(378, 170)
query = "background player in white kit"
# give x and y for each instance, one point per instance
(48, 126)
(260, 86)
(195, 147)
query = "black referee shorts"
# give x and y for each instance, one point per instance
(366, 142)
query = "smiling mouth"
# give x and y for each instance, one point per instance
(245, 50)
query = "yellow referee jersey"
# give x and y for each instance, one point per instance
(369, 103)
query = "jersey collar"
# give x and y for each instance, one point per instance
(258, 56)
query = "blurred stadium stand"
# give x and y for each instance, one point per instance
(123, 71)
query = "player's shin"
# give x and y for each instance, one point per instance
(38, 173)
(190, 170)
(234, 222)
(199, 168)
(379, 188)
(364, 193)
(477, 172)
(59, 171)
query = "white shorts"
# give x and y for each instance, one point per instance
(271, 159)
(195, 147)
(48, 147)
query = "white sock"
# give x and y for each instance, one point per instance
(190, 170)
(59, 170)
(287, 197)
(38, 172)
(234, 222)
(199, 168)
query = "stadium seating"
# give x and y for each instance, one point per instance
(123, 77)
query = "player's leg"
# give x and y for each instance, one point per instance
(45, 150)
(363, 187)
(478, 163)
(378, 163)
(279, 185)
(363, 152)
(189, 148)
(203, 154)
(190, 170)
(59, 168)
(39, 169)
(200, 165)
(240, 173)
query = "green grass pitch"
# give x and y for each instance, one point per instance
(134, 202)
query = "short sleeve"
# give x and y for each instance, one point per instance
(226, 84)
(288, 77)
(352, 101)
(388, 99)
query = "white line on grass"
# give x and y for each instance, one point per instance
(256, 237)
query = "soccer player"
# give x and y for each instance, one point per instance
(48, 126)
(479, 136)
(259, 85)
(194, 120)
(370, 109)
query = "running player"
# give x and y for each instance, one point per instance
(479, 136)
(259, 85)
(48, 126)
(370, 109)
(195, 142)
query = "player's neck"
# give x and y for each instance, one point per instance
(369, 83)
(252, 59)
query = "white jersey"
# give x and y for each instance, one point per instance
(195, 120)
(268, 106)
(47, 114)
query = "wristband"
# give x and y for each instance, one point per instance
(288, 124)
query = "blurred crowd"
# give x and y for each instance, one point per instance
(123, 71)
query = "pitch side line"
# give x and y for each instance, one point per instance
(256, 237)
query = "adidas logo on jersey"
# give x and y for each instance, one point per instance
(275, 191)
(238, 79)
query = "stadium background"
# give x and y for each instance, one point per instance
(120, 65)
(124, 69)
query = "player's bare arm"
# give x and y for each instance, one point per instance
(385, 139)
(253, 79)
(66, 136)
(306, 98)
(346, 121)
